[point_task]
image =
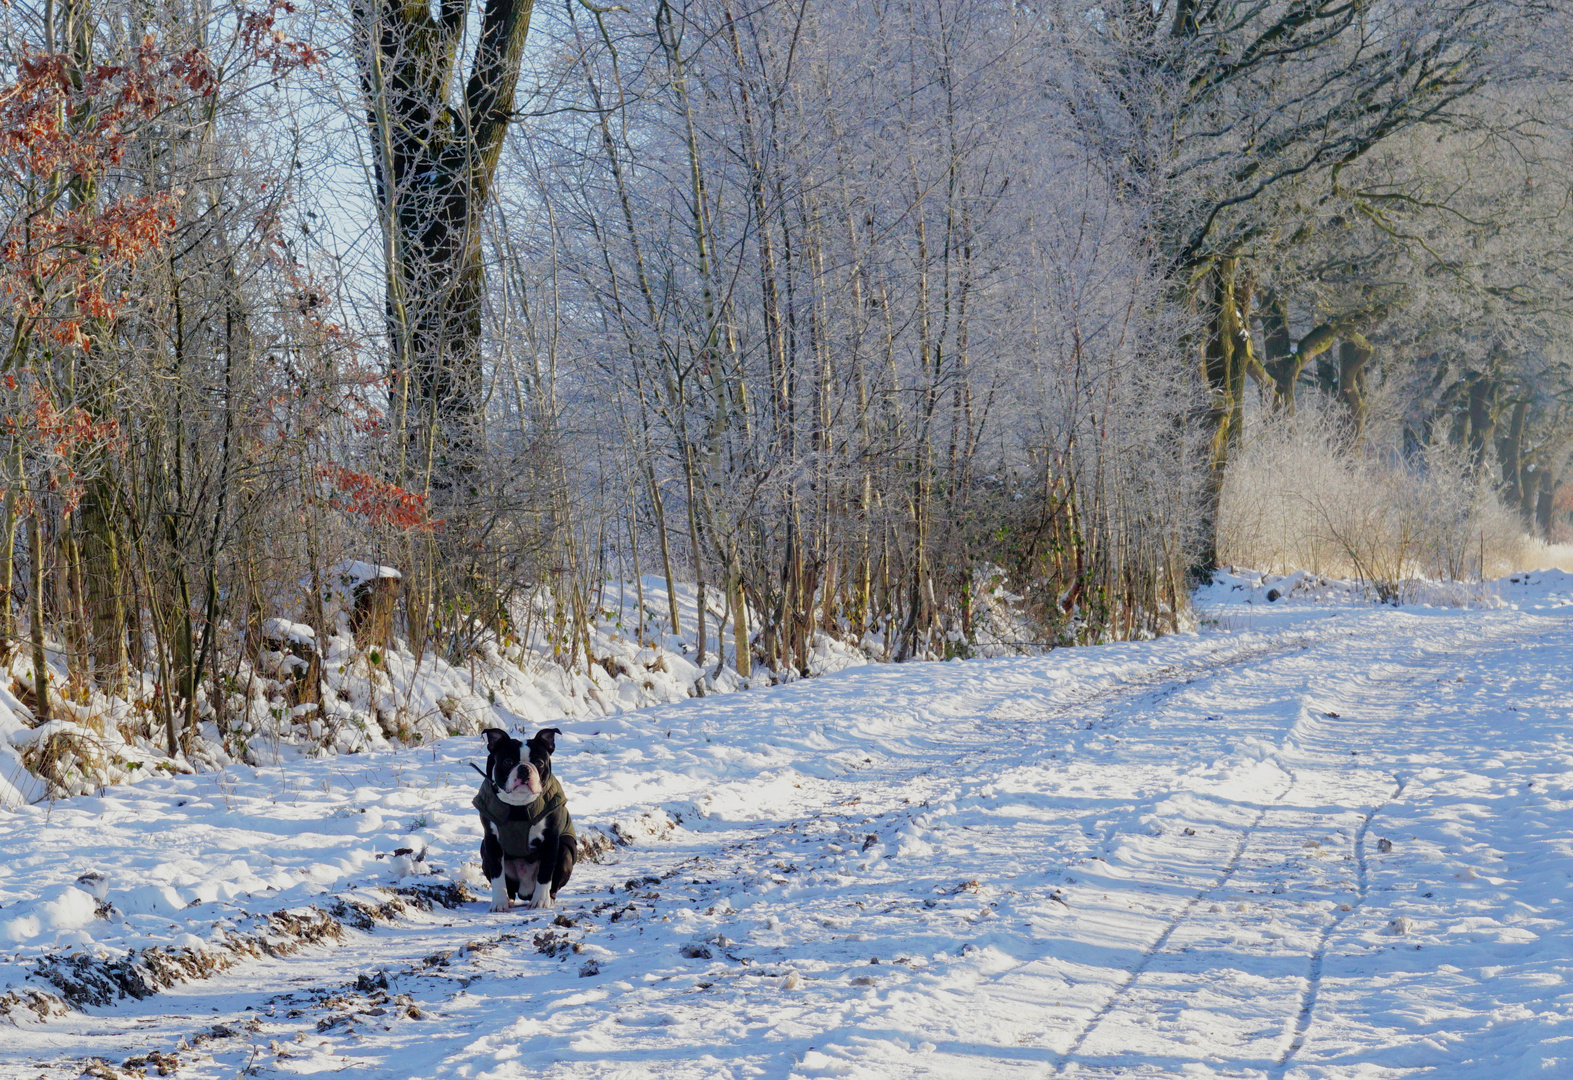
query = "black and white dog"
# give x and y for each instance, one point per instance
(527, 837)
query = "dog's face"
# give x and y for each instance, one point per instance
(509, 769)
(519, 770)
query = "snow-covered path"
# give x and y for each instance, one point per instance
(1335, 844)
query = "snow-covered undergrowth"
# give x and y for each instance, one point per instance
(373, 698)
(1528, 590)
(376, 697)
(1304, 492)
(1332, 843)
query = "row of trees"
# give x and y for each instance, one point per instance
(847, 314)
(171, 390)
(862, 334)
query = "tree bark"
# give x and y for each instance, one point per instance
(1529, 498)
(1227, 358)
(1482, 415)
(35, 598)
(1353, 357)
(7, 574)
(435, 160)
(1282, 361)
(1544, 506)
(1510, 451)
(103, 544)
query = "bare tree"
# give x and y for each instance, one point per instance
(435, 150)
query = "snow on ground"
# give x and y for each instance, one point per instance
(634, 655)
(1311, 842)
(1234, 593)
(378, 698)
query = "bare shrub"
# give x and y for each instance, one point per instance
(1303, 493)
(1266, 513)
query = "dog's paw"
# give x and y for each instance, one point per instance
(499, 909)
(542, 897)
(500, 899)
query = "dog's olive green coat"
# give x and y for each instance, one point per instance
(515, 822)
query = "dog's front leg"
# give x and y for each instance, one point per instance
(546, 859)
(542, 898)
(492, 866)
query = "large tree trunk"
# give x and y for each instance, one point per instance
(435, 160)
(1529, 498)
(1353, 357)
(1226, 360)
(1510, 452)
(1545, 505)
(1482, 415)
(1282, 361)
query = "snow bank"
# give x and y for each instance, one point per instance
(378, 697)
(1524, 590)
(282, 630)
(18, 786)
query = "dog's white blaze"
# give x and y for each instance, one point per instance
(500, 894)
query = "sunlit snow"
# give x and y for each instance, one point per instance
(1316, 840)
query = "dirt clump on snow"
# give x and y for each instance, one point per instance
(82, 980)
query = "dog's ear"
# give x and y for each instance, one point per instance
(493, 737)
(546, 739)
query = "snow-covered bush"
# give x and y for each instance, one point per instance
(1302, 494)
(380, 694)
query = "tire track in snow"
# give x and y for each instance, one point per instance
(1160, 682)
(1174, 684)
(1172, 678)
(1307, 998)
(1313, 983)
(1312, 989)
(1138, 969)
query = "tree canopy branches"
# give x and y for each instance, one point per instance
(932, 327)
